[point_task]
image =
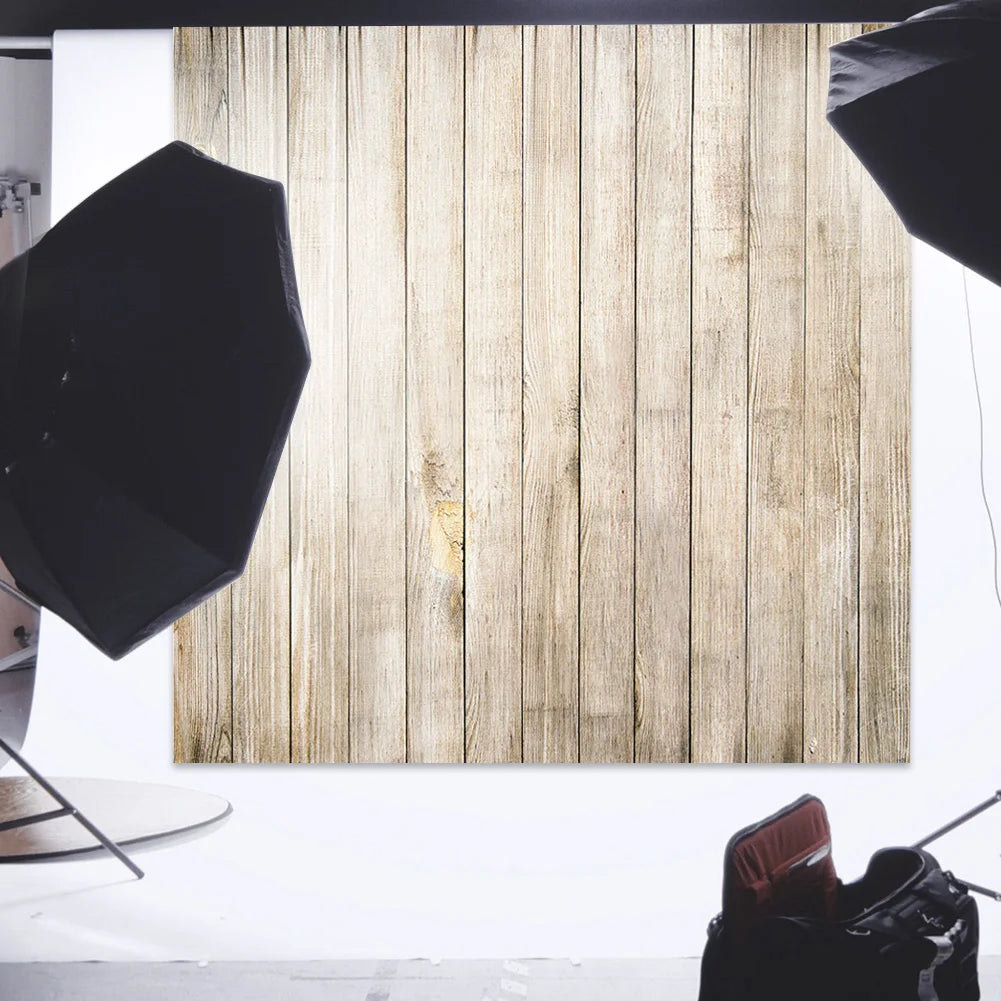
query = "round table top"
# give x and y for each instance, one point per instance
(136, 815)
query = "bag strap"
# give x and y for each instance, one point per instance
(944, 946)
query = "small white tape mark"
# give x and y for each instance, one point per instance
(513, 987)
(518, 969)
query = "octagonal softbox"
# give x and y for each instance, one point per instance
(152, 353)
(916, 103)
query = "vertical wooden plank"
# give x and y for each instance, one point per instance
(258, 132)
(435, 700)
(719, 391)
(551, 392)
(376, 392)
(201, 89)
(831, 422)
(663, 389)
(775, 403)
(493, 361)
(318, 445)
(884, 475)
(203, 664)
(608, 392)
(203, 656)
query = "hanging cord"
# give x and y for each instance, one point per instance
(980, 411)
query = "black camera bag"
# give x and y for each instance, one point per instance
(790, 930)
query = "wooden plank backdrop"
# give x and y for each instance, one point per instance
(603, 456)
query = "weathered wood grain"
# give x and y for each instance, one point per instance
(434, 400)
(258, 142)
(203, 654)
(604, 452)
(203, 683)
(884, 481)
(377, 300)
(775, 395)
(663, 389)
(831, 424)
(608, 392)
(201, 89)
(551, 392)
(719, 391)
(493, 370)
(317, 196)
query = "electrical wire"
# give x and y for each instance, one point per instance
(980, 411)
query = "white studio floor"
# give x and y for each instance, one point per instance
(368, 980)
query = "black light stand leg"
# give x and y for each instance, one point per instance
(959, 821)
(68, 810)
(982, 890)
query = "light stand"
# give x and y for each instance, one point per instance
(958, 822)
(33, 810)
(29, 830)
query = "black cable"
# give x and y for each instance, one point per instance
(980, 411)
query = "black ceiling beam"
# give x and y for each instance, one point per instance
(42, 17)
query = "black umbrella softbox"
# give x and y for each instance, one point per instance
(152, 352)
(916, 102)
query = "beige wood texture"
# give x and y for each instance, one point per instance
(608, 391)
(664, 55)
(551, 464)
(377, 327)
(775, 397)
(434, 398)
(604, 451)
(493, 386)
(719, 391)
(318, 447)
(831, 419)
(884, 475)
(203, 669)
(258, 133)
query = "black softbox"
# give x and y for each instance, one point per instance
(917, 103)
(152, 352)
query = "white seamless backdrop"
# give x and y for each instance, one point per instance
(329, 862)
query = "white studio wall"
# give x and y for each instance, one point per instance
(328, 862)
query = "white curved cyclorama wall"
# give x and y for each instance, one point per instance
(326, 862)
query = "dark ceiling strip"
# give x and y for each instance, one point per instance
(42, 17)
